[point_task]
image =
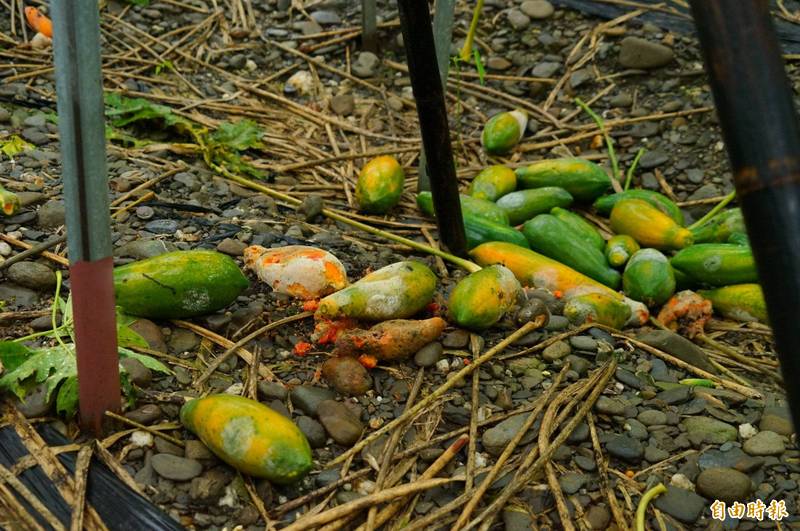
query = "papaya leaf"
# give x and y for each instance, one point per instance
(12, 354)
(147, 361)
(14, 145)
(67, 397)
(242, 135)
(126, 337)
(52, 365)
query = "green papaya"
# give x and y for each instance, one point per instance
(717, 264)
(584, 179)
(581, 227)
(648, 278)
(619, 249)
(482, 298)
(493, 183)
(380, 185)
(720, 227)
(604, 205)
(469, 206)
(740, 302)
(522, 205)
(504, 131)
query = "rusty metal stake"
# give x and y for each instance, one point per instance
(79, 89)
(759, 123)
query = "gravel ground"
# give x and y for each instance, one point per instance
(703, 444)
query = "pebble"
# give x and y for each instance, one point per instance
(231, 247)
(724, 484)
(365, 64)
(681, 504)
(151, 333)
(676, 395)
(456, 339)
(653, 159)
(652, 417)
(428, 355)
(537, 9)
(138, 374)
(498, 63)
(516, 518)
(176, 468)
(145, 415)
(625, 448)
(571, 482)
(145, 248)
(182, 340)
(653, 454)
(777, 423)
(678, 346)
(623, 99)
(35, 403)
(546, 69)
(326, 18)
(628, 378)
(639, 53)
(713, 431)
(144, 212)
(556, 351)
(51, 214)
(557, 323)
(17, 296)
(346, 375)
(610, 406)
(195, 449)
(583, 343)
(340, 422)
(210, 486)
(272, 390)
(311, 207)
(32, 275)
(189, 180)
(585, 463)
(580, 77)
(165, 447)
(343, 104)
(765, 443)
(598, 517)
(495, 439)
(308, 398)
(636, 429)
(518, 19)
(313, 431)
(162, 226)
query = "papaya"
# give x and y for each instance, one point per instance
(178, 284)
(740, 302)
(301, 271)
(683, 281)
(492, 183)
(604, 205)
(581, 227)
(10, 205)
(249, 436)
(480, 230)
(522, 205)
(469, 206)
(380, 185)
(619, 249)
(503, 131)
(717, 264)
(648, 226)
(396, 291)
(584, 179)
(640, 315)
(720, 227)
(535, 270)
(648, 278)
(555, 239)
(597, 308)
(481, 299)
(739, 238)
(391, 340)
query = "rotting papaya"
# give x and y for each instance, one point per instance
(604, 205)
(740, 302)
(597, 308)
(535, 270)
(717, 264)
(522, 205)
(648, 226)
(648, 278)
(481, 299)
(503, 131)
(492, 183)
(555, 239)
(584, 179)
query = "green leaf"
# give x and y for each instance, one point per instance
(479, 65)
(67, 398)
(125, 336)
(244, 134)
(147, 361)
(143, 3)
(14, 145)
(12, 354)
(164, 65)
(53, 365)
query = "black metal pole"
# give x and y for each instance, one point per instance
(415, 21)
(760, 127)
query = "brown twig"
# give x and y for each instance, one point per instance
(81, 472)
(7, 477)
(602, 465)
(126, 420)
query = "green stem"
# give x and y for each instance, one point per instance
(332, 214)
(54, 310)
(633, 168)
(641, 510)
(609, 145)
(466, 51)
(714, 211)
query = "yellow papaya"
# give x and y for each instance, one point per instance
(481, 299)
(493, 183)
(504, 131)
(648, 225)
(249, 436)
(740, 302)
(380, 185)
(597, 308)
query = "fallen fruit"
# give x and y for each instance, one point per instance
(583, 179)
(619, 249)
(742, 302)
(9, 202)
(178, 284)
(581, 227)
(492, 183)
(380, 185)
(720, 227)
(717, 264)
(687, 312)
(481, 299)
(392, 340)
(249, 436)
(504, 131)
(605, 204)
(648, 278)
(640, 315)
(38, 21)
(522, 205)
(649, 226)
(597, 308)
(469, 206)
(535, 270)
(297, 270)
(396, 291)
